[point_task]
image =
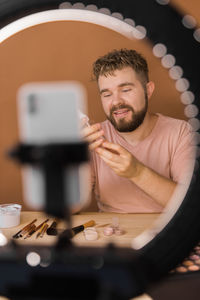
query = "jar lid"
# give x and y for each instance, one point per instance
(9, 215)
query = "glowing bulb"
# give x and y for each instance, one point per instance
(33, 259)
(45, 258)
(191, 111)
(176, 72)
(163, 2)
(189, 21)
(105, 11)
(182, 84)
(44, 264)
(195, 123)
(117, 15)
(64, 5)
(92, 7)
(197, 35)
(3, 240)
(168, 61)
(187, 97)
(159, 50)
(130, 22)
(79, 5)
(140, 32)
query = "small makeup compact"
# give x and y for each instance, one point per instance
(114, 228)
(9, 215)
(90, 234)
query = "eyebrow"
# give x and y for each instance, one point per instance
(120, 85)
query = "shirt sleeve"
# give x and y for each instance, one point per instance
(184, 154)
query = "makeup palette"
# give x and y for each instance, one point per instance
(190, 263)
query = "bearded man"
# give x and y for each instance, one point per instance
(137, 158)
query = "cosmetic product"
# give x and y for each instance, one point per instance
(44, 229)
(108, 231)
(41, 224)
(41, 230)
(26, 231)
(71, 231)
(90, 234)
(35, 228)
(119, 231)
(9, 215)
(30, 231)
(116, 226)
(23, 230)
(115, 222)
(83, 116)
(52, 228)
(190, 263)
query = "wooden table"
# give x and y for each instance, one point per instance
(132, 224)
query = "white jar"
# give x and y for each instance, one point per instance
(9, 215)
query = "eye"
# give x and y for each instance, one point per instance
(106, 95)
(126, 90)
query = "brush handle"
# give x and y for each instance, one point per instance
(44, 229)
(80, 228)
(89, 223)
(69, 232)
(30, 231)
(23, 230)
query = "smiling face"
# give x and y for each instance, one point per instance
(124, 98)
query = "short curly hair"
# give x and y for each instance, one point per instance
(119, 59)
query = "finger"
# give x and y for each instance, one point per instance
(91, 129)
(108, 154)
(112, 164)
(96, 144)
(113, 147)
(95, 136)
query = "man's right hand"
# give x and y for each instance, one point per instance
(94, 135)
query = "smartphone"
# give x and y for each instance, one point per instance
(48, 113)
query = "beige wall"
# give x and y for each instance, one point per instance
(65, 51)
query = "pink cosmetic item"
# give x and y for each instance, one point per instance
(108, 231)
(83, 116)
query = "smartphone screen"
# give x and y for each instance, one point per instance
(48, 113)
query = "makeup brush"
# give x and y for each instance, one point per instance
(64, 239)
(23, 230)
(71, 231)
(52, 228)
(35, 228)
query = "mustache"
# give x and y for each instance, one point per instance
(121, 106)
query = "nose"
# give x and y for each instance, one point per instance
(116, 99)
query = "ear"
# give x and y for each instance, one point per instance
(150, 88)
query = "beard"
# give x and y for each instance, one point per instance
(137, 118)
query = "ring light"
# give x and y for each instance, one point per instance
(178, 47)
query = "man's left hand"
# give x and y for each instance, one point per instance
(121, 161)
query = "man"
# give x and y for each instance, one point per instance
(137, 158)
